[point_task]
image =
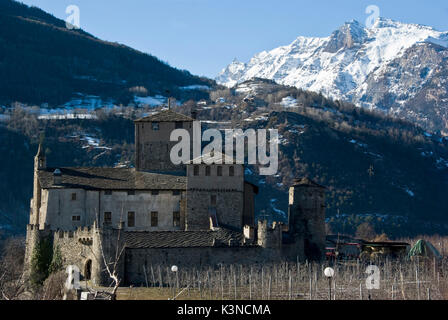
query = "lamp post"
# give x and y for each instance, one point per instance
(329, 273)
(174, 269)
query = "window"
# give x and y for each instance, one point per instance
(207, 171)
(131, 192)
(154, 218)
(176, 218)
(213, 200)
(108, 192)
(155, 192)
(108, 218)
(231, 171)
(76, 218)
(176, 192)
(131, 219)
(196, 170)
(73, 196)
(179, 125)
(155, 126)
(219, 171)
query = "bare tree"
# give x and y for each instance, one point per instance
(110, 263)
(12, 277)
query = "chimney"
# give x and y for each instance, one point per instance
(57, 177)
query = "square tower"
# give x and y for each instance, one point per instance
(215, 194)
(307, 217)
(152, 140)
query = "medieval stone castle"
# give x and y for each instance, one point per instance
(159, 213)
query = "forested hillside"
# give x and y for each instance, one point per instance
(42, 61)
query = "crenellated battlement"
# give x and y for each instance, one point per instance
(269, 236)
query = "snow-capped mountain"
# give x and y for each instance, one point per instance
(396, 67)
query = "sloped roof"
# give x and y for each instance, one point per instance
(165, 116)
(307, 182)
(217, 156)
(110, 179)
(182, 239)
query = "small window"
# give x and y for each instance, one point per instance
(219, 171)
(76, 218)
(196, 170)
(179, 125)
(155, 192)
(108, 192)
(176, 218)
(131, 192)
(176, 192)
(155, 126)
(231, 171)
(207, 171)
(213, 200)
(108, 218)
(154, 218)
(131, 219)
(73, 196)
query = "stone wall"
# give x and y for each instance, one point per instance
(58, 208)
(77, 248)
(138, 261)
(229, 208)
(227, 190)
(153, 146)
(307, 218)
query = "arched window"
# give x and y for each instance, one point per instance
(196, 170)
(231, 171)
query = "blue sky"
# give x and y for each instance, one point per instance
(203, 36)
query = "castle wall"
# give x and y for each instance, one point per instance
(229, 208)
(228, 191)
(58, 208)
(190, 257)
(143, 203)
(77, 248)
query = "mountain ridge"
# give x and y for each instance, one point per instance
(339, 66)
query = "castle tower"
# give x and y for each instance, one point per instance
(152, 140)
(39, 164)
(215, 193)
(307, 217)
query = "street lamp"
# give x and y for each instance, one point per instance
(329, 273)
(174, 269)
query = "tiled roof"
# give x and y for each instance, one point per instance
(165, 116)
(306, 182)
(182, 239)
(110, 179)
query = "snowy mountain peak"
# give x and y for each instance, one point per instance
(347, 36)
(355, 63)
